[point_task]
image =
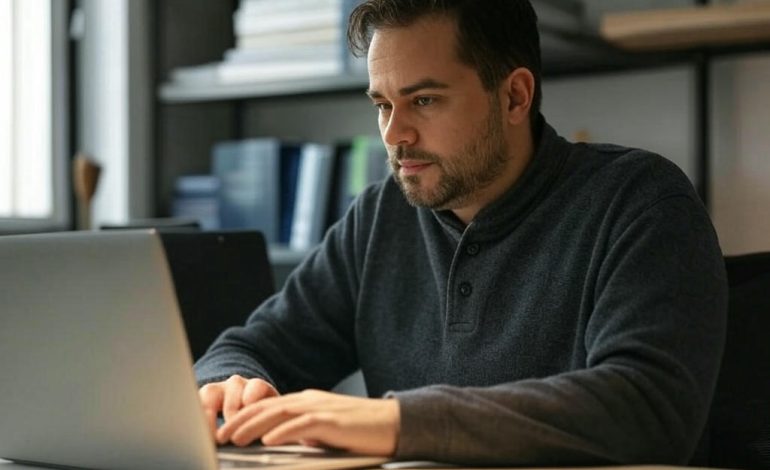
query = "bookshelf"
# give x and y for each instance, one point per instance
(171, 93)
(190, 119)
(686, 28)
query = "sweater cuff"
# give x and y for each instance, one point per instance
(423, 430)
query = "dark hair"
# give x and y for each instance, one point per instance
(493, 36)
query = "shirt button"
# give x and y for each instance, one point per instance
(473, 249)
(466, 289)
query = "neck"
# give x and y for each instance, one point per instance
(520, 143)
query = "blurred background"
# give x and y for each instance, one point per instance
(168, 101)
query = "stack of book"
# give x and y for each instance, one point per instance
(281, 40)
(290, 191)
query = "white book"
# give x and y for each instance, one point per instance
(286, 38)
(205, 74)
(294, 20)
(327, 51)
(312, 199)
(230, 73)
(261, 7)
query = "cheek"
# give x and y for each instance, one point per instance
(446, 141)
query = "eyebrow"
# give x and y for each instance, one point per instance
(425, 83)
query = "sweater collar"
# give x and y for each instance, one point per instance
(502, 215)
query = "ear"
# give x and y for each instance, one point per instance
(518, 92)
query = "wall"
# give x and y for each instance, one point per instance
(741, 147)
(651, 109)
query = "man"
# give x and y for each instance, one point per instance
(517, 300)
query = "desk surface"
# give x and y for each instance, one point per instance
(5, 465)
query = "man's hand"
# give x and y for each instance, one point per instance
(312, 417)
(231, 396)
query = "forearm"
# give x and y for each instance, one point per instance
(599, 416)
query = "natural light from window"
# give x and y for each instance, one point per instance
(26, 162)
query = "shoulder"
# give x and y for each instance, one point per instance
(619, 171)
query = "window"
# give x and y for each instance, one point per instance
(33, 88)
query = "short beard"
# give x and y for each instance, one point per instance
(474, 168)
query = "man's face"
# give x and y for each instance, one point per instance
(443, 130)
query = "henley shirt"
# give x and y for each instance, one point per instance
(578, 319)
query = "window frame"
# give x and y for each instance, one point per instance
(60, 217)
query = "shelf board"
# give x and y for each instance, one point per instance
(688, 28)
(175, 93)
(628, 40)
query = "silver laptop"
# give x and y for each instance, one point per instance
(95, 369)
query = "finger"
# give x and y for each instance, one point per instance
(326, 429)
(257, 389)
(303, 429)
(225, 432)
(211, 420)
(254, 420)
(248, 427)
(212, 397)
(310, 443)
(233, 396)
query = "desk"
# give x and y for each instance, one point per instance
(5, 465)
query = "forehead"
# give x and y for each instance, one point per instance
(424, 49)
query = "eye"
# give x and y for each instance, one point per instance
(424, 100)
(382, 106)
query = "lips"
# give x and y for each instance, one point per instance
(413, 167)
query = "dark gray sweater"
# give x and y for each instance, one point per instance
(579, 319)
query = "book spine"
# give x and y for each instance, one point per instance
(270, 71)
(305, 37)
(289, 168)
(283, 54)
(249, 196)
(309, 20)
(197, 197)
(267, 8)
(312, 202)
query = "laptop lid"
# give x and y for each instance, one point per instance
(94, 365)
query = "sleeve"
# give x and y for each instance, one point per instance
(654, 342)
(302, 337)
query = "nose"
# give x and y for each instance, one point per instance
(397, 130)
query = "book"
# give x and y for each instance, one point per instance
(312, 201)
(284, 53)
(267, 8)
(258, 181)
(362, 161)
(251, 72)
(196, 197)
(305, 37)
(290, 21)
(196, 75)
(289, 174)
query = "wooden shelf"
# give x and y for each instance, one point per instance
(171, 93)
(689, 28)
